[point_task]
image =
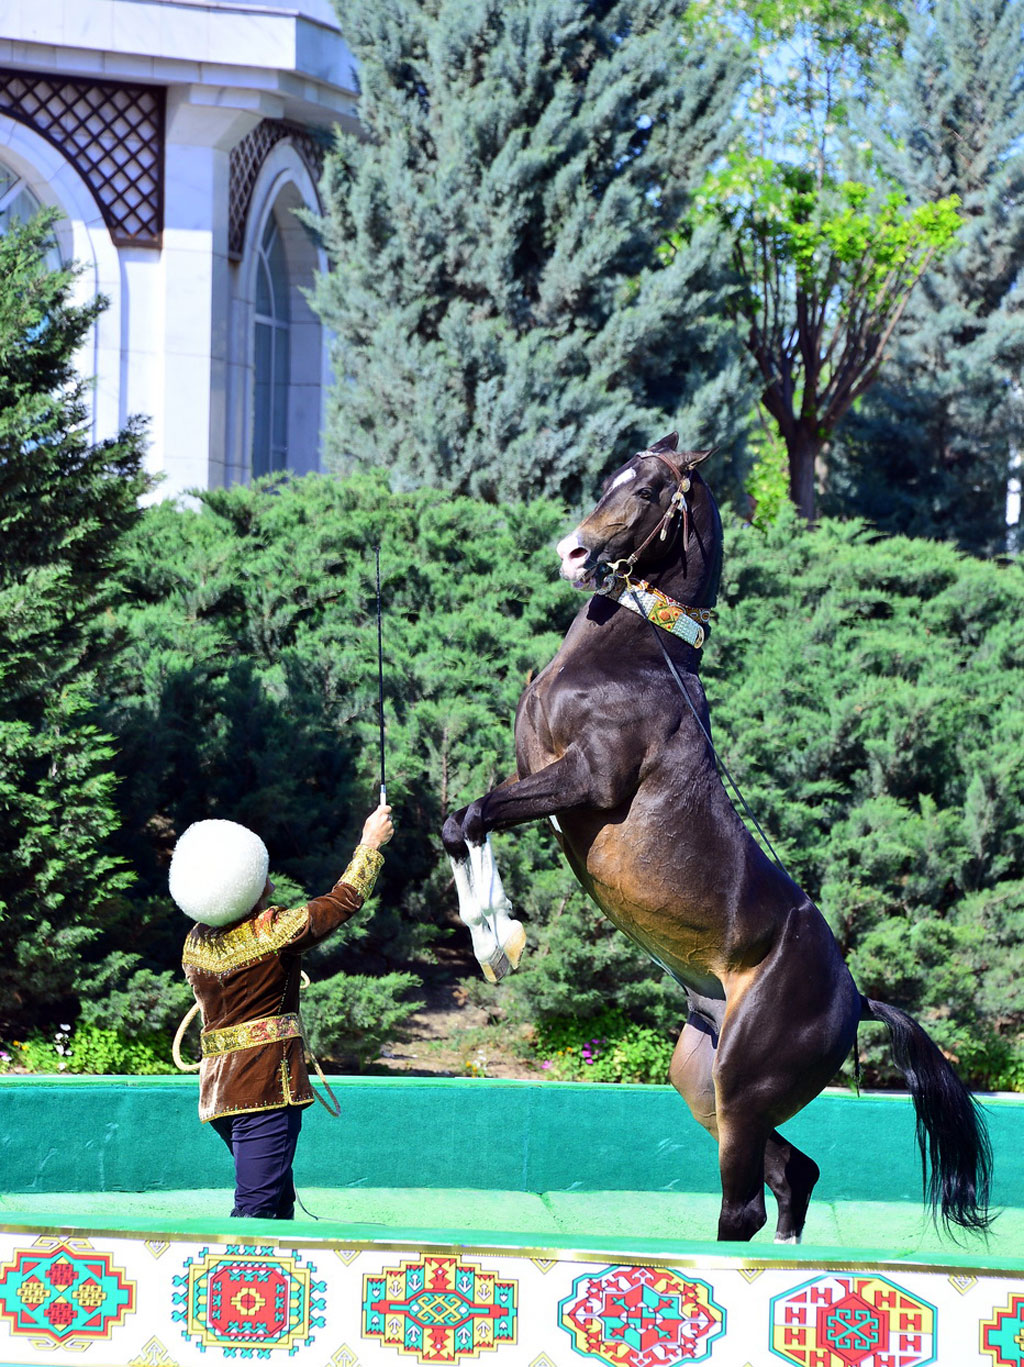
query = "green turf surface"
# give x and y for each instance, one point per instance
(898, 1227)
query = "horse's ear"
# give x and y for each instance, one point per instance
(666, 444)
(691, 459)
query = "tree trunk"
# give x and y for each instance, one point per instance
(803, 448)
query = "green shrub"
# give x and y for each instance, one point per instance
(349, 1018)
(607, 1048)
(95, 1049)
(143, 1003)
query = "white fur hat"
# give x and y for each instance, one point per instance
(218, 872)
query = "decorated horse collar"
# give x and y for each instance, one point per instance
(646, 601)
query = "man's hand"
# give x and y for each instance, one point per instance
(377, 828)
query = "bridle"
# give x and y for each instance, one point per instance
(622, 569)
(617, 582)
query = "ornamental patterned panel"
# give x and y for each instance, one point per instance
(111, 132)
(160, 1299)
(63, 1292)
(249, 1299)
(853, 1321)
(642, 1317)
(439, 1309)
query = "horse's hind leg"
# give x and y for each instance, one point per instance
(741, 1152)
(789, 1173)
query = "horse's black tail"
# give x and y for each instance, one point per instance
(956, 1156)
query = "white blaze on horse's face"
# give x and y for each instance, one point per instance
(571, 550)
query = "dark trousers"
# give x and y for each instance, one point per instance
(262, 1143)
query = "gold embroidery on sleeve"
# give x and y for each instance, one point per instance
(239, 946)
(363, 869)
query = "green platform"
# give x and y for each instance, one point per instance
(479, 1161)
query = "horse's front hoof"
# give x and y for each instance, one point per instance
(504, 957)
(514, 942)
(496, 967)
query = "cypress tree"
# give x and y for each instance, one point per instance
(504, 322)
(63, 504)
(930, 451)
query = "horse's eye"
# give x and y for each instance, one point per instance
(646, 494)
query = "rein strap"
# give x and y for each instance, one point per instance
(650, 603)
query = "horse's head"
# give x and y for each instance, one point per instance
(656, 519)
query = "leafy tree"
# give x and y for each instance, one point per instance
(64, 505)
(808, 61)
(827, 270)
(828, 252)
(930, 449)
(502, 319)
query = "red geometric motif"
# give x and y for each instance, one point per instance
(851, 1327)
(641, 1317)
(851, 1321)
(61, 1273)
(60, 1314)
(261, 1309)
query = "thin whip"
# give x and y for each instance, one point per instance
(380, 687)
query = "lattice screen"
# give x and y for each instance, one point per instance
(112, 133)
(247, 158)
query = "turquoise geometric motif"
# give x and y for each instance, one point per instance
(71, 1295)
(1002, 1337)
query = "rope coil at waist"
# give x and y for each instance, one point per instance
(249, 1034)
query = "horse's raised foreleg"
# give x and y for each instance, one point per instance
(499, 939)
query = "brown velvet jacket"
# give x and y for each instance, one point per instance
(246, 978)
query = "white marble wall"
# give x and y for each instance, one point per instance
(175, 343)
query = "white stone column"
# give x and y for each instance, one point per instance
(189, 434)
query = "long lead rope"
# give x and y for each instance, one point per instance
(723, 767)
(720, 763)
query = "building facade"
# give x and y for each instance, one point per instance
(177, 138)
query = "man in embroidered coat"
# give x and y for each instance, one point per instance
(243, 961)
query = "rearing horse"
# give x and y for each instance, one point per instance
(608, 747)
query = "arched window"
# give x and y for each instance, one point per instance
(271, 355)
(18, 204)
(278, 366)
